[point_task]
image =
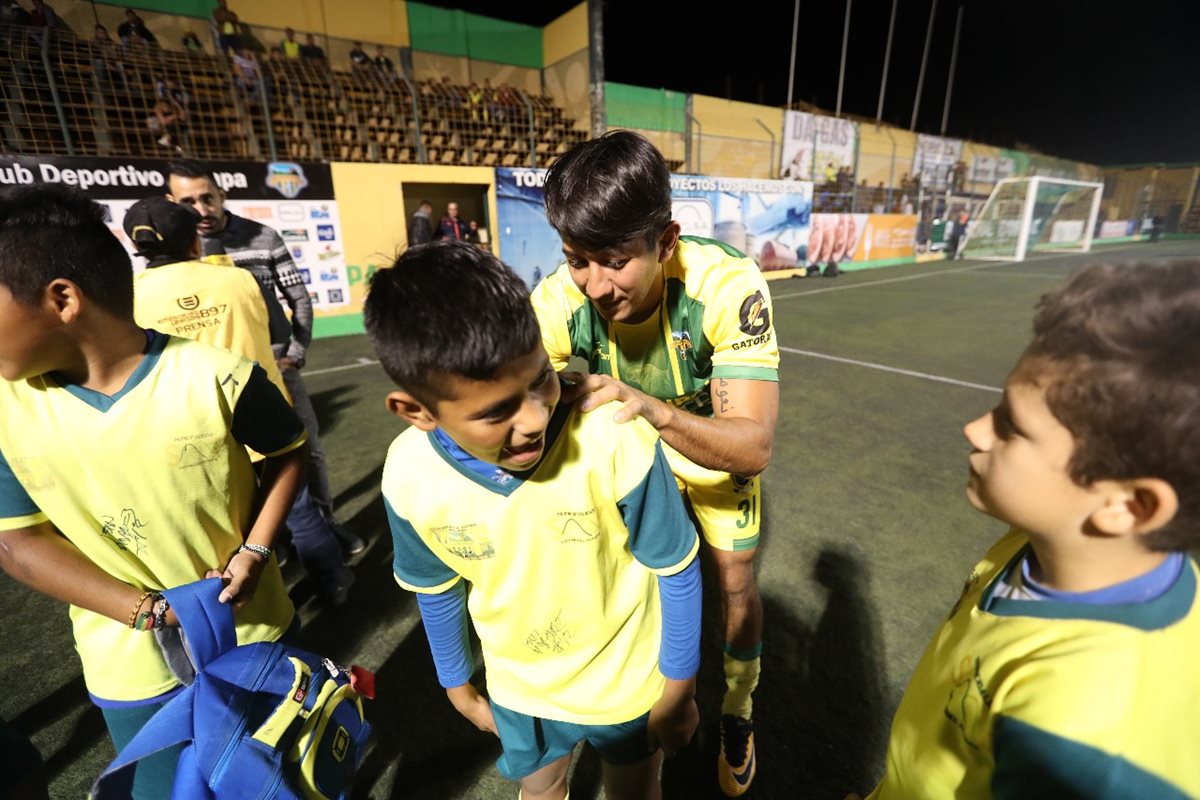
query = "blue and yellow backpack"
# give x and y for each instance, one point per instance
(262, 720)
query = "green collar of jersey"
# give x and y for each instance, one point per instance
(513, 480)
(1161, 612)
(103, 402)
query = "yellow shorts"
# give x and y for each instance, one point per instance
(728, 507)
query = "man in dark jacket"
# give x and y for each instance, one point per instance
(451, 227)
(420, 224)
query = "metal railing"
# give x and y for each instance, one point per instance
(70, 96)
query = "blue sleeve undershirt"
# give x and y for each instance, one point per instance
(679, 651)
(445, 617)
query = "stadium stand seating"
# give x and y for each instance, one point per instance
(307, 109)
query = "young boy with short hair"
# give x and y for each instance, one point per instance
(123, 464)
(1068, 666)
(584, 583)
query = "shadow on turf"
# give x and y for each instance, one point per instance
(330, 404)
(819, 707)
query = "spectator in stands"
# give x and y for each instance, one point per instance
(959, 173)
(310, 50)
(507, 99)
(830, 174)
(106, 59)
(165, 120)
(11, 13)
(43, 16)
(452, 99)
(359, 60)
(475, 101)
(289, 45)
(134, 33)
(383, 65)
(229, 37)
(420, 225)
(491, 107)
(246, 73)
(191, 43)
(451, 227)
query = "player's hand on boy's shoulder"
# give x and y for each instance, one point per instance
(674, 718)
(593, 391)
(467, 701)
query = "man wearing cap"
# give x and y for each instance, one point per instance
(180, 295)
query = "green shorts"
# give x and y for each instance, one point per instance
(728, 507)
(531, 743)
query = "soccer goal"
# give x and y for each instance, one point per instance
(1034, 214)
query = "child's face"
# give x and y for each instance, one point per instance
(623, 283)
(503, 421)
(1019, 465)
(25, 331)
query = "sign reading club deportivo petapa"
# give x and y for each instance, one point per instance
(295, 199)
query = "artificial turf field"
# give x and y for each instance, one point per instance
(867, 539)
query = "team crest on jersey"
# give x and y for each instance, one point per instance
(741, 483)
(682, 342)
(287, 178)
(470, 541)
(578, 526)
(754, 317)
(189, 303)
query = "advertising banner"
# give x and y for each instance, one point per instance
(765, 219)
(856, 238)
(295, 199)
(935, 160)
(813, 143)
(989, 169)
(1117, 228)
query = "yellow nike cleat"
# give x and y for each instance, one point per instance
(736, 763)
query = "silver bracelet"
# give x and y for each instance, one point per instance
(257, 549)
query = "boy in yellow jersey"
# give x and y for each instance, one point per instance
(581, 561)
(123, 463)
(678, 329)
(222, 306)
(1067, 668)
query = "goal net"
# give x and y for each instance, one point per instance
(1024, 215)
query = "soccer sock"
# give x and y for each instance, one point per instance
(742, 666)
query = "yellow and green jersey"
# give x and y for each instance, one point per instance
(1019, 698)
(561, 561)
(714, 322)
(153, 484)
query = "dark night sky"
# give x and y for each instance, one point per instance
(1101, 81)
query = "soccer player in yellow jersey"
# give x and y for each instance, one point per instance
(568, 529)
(678, 330)
(123, 463)
(1067, 668)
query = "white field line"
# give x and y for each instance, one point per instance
(896, 370)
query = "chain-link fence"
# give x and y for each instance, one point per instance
(71, 96)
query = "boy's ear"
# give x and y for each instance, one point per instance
(1139, 506)
(63, 299)
(410, 409)
(668, 240)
